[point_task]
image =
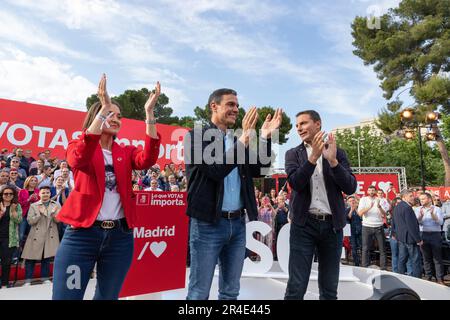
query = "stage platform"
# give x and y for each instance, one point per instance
(355, 284)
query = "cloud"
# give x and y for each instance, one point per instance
(41, 80)
(17, 29)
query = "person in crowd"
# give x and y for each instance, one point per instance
(58, 172)
(27, 154)
(4, 177)
(43, 239)
(266, 214)
(355, 229)
(47, 155)
(153, 186)
(15, 164)
(14, 179)
(38, 169)
(46, 177)
(373, 211)
(60, 193)
(318, 173)
(405, 229)
(23, 162)
(101, 208)
(174, 188)
(27, 196)
(393, 241)
(172, 182)
(180, 173)
(445, 212)
(273, 197)
(10, 218)
(430, 219)
(282, 213)
(183, 184)
(68, 182)
(154, 173)
(221, 194)
(257, 198)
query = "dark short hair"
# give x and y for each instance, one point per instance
(314, 115)
(428, 195)
(45, 187)
(216, 96)
(372, 187)
(351, 197)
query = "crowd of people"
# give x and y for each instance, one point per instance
(32, 191)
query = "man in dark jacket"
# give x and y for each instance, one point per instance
(405, 228)
(318, 172)
(220, 169)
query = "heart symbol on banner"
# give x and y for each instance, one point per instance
(384, 186)
(158, 248)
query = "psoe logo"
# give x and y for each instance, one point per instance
(155, 247)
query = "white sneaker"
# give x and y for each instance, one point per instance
(47, 282)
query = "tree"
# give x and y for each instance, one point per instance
(133, 101)
(411, 50)
(377, 151)
(203, 115)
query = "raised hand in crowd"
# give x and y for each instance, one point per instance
(271, 123)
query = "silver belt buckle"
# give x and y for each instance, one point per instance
(229, 215)
(108, 224)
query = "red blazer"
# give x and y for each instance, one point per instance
(23, 200)
(85, 157)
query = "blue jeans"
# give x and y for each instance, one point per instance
(394, 257)
(29, 269)
(24, 229)
(211, 243)
(80, 250)
(303, 241)
(411, 252)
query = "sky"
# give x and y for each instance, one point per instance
(294, 54)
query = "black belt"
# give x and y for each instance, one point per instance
(233, 214)
(321, 217)
(111, 224)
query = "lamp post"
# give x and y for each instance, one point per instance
(359, 153)
(411, 123)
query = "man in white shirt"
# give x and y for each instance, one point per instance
(430, 219)
(373, 212)
(153, 186)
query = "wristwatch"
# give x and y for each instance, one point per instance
(151, 121)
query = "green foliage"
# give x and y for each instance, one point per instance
(376, 151)
(412, 48)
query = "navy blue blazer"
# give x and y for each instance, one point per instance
(337, 180)
(405, 227)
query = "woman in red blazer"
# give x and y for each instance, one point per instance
(100, 210)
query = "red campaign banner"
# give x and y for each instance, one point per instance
(160, 244)
(442, 192)
(380, 181)
(38, 127)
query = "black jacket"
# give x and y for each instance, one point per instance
(205, 179)
(337, 180)
(405, 227)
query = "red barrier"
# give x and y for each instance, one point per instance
(160, 244)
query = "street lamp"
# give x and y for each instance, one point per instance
(359, 153)
(411, 123)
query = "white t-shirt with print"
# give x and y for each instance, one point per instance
(373, 217)
(112, 206)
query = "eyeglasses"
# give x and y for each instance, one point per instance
(8, 194)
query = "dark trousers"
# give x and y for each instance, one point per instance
(368, 233)
(356, 243)
(432, 253)
(6, 255)
(303, 242)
